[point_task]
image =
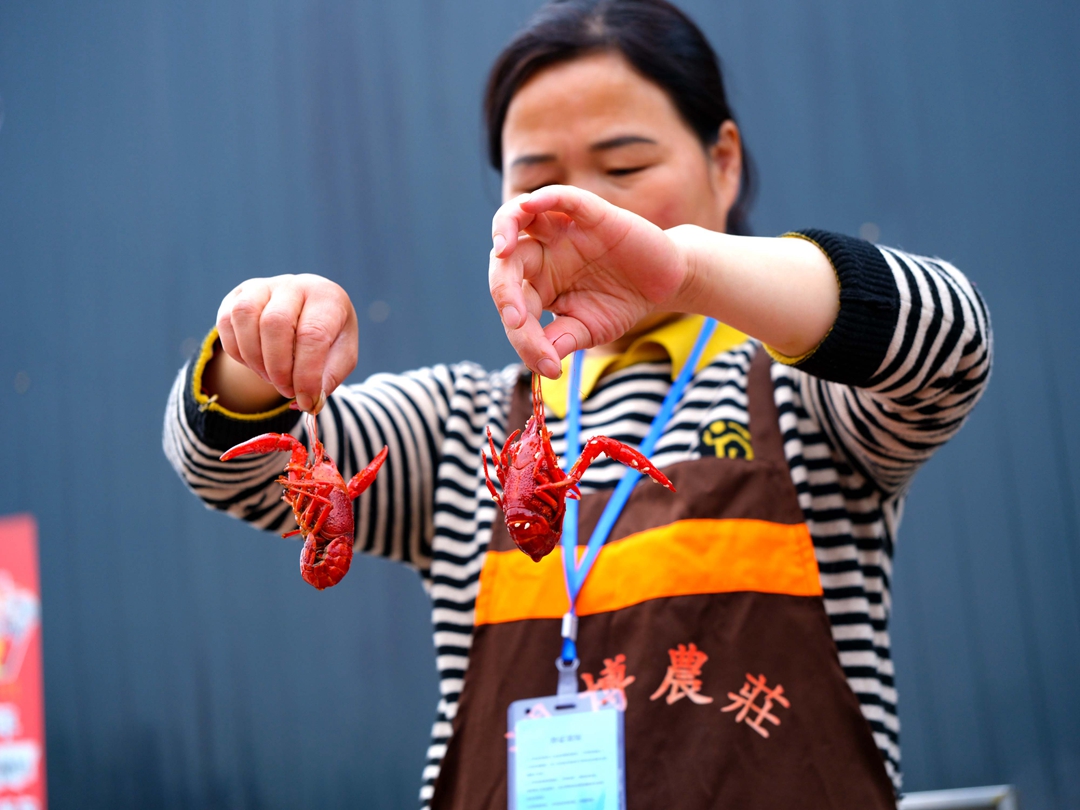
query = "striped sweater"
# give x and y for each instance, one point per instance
(903, 365)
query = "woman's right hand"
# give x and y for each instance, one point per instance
(297, 333)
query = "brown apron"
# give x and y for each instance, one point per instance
(705, 609)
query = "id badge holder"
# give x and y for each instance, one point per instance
(566, 752)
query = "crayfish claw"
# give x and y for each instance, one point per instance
(266, 443)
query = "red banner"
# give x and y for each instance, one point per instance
(22, 715)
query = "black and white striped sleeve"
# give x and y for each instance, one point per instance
(905, 362)
(406, 412)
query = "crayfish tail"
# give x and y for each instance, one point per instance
(325, 567)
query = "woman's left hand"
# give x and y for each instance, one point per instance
(599, 268)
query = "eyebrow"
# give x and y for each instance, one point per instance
(602, 146)
(531, 160)
(622, 140)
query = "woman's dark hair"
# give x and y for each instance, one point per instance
(655, 37)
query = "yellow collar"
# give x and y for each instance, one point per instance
(672, 340)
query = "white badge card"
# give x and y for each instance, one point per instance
(566, 752)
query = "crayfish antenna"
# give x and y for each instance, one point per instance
(538, 403)
(316, 446)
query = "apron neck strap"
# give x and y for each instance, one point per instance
(765, 435)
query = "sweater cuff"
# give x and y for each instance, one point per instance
(856, 345)
(217, 426)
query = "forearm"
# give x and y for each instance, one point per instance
(783, 292)
(905, 361)
(408, 412)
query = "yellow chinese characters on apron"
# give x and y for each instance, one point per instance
(705, 609)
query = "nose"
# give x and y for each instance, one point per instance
(589, 181)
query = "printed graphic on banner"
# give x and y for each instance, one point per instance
(19, 612)
(22, 737)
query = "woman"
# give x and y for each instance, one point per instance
(746, 617)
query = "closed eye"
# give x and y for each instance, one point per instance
(626, 171)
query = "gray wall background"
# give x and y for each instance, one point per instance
(153, 155)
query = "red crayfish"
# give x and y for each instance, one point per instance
(320, 499)
(534, 486)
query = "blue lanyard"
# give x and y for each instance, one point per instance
(576, 573)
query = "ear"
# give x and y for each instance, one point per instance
(725, 157)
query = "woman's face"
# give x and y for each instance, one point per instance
(597, 124)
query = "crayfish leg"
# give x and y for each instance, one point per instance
(546, 497)
(506, 446)
(566, 482)
(487, 476)
(497, 458)
(318, 500)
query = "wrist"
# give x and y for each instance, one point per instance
(219, 425)
(236, 387)
(697, 249)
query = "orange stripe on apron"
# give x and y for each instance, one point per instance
(681, 559)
